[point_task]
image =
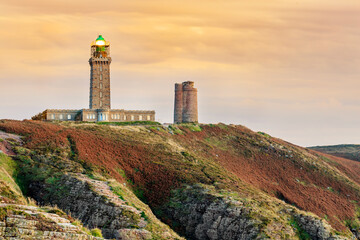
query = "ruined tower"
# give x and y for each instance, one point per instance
(185, 108)
(100, 74)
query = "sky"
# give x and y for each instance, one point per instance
(289, 68)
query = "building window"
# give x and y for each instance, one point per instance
(148, 117)
(100, 76)
(100, 68)
(101, 85)
(140, 118)
(100, 103)
(69, 116)
(124, 117)
(61, 117)
(101, 94)
(93, 116)
(52, 116)
(132, 117)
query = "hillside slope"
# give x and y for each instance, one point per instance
(21, 219)
(205, 181)
(349, 151)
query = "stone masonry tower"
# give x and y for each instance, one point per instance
(100, 74)
(186, 107)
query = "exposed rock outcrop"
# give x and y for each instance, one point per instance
(28, 222)
(78, 197)
(203, 215)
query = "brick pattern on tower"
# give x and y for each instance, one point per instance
(186, 106)
(100, 77)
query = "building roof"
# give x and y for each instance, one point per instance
(100, 38)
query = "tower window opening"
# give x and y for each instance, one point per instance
(100, 68)
(101, 95)
(101, 103)
(101, 85)
(101, 77)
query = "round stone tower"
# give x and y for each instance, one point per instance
(186, 107)
(178, 105)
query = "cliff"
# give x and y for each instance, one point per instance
(200, 181)
(349, 151)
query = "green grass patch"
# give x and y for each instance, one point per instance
(175, 129)
(8, 185)
(301, 233)
(264, 134)
(96, 232)
(192, 127)
(353, 225)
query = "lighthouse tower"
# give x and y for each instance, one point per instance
(100, 74)
(99, 104)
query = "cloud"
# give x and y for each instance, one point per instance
(251, 60)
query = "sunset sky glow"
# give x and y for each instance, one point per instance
(289, 68)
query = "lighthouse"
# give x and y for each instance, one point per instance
(100, 61)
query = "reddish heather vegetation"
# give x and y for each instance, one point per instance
(298, 176)
(285, 176)
(119, 157)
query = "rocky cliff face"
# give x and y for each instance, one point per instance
(95, 205)
(30, 222)
(203, 214)
(54, 179)
(204, 181)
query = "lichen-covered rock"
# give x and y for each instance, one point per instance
(27, 222)
(205, 216)
(93, 209)
(133, 234)
(315, 227)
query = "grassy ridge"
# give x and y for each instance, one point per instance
(153, 161)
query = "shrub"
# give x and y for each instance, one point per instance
(301, 233)
(96, 232)
(193, 127)
(264, 134)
